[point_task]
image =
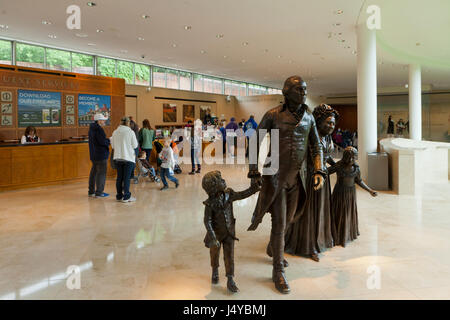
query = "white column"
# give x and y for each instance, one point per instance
(415, 102)
(367, 95)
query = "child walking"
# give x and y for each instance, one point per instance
(343, 199)
(167, 165)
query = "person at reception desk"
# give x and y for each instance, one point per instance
(124, 143)
(99, 153)
(30, 136)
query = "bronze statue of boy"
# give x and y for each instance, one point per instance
(220, 223)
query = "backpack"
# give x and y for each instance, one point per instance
(158, 146)
(177, 169)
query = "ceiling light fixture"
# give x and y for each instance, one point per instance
(46, 22)
(354, 52)
(279, 57)
(224, 57)
(99, 30)
(140, 39)
(187, 27)
(4, 26)
(123, 51)
(266, 50)
(52, 36)
(219, 36)
(91, 4)
(81, 35)
(243, 60)
(245, 43)
(202, 51)
(174, 45)
(417, 43)
(91, 44)
(144, 16)
(339, 11)
(337, 24)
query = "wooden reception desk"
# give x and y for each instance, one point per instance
(33, 165)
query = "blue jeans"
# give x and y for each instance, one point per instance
(164, 173)
(124, 169)
(148, 152)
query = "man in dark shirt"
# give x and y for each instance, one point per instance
(99, 153)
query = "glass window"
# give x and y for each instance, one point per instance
(57, 59)
(208, 84)
(242, 89)
(142, 73)
(185, 80)
(198, 82)
(217, 86)
(29, 56)
(5, 52)
(228, 87)
(106, 67)
(159, 77)
(172, 79)
(82, 63)
(125, 71)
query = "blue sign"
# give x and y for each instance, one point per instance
(89, 105)
(39, 108)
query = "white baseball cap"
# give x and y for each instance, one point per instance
(99, 116)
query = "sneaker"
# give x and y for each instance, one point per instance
(177, 184)
(103, 195)
(164, 188)
(131, 199)
(192, 172)
(92, 195)
(198, 171)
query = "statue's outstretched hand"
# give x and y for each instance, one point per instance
(318, 181)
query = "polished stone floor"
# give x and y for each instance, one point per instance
(153, 248)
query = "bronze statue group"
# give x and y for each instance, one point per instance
(307, 218)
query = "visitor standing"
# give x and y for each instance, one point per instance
(99, 153)
(146, 137)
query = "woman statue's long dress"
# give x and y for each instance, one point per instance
(314, 231)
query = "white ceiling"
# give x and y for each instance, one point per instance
(284, 37)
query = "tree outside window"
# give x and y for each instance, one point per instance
(142, 74)
(82, 63)
(125, 71)
(5, 52)
(29, 56)
(198, 82)
(159, 77)
(106, 67)
(57, 59)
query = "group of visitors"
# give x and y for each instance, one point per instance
(345, 138)
(231, 131)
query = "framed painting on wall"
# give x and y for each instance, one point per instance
(169, 112)
(188, 112)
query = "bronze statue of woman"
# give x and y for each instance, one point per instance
(314, 230)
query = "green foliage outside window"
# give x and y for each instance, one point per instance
(106, 67)
(58, 59)
(125, 71)
(82, 63)
(28, 55)
(142, 72)
(5, 52)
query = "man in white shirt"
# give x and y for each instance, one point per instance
(124, 143)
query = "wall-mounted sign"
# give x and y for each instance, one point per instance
(70, 99)
(89, 105)
(38, 108)
(70, 109)
(6, 120)
(70, 120)
(6, 96)
(7, 108)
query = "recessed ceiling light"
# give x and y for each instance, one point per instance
(202, 51)
(266, 50)
(144, 16)
(81, 35)
(187, 27)
(140, 39)
(406, 85)
(245, 43)
(174, 45)
(225, 57)
(91, 44)
(339, 11)
(341, 40)
(91, 4)
(46, 22)
(219, 36)
(243, 60)
(279, 57)
(99, 30)
(347, 47)
(354, 52)
(337, 24)
(417, 43)
(4, 26)
(124, 51)
(52, 36)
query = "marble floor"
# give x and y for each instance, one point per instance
(153, 248)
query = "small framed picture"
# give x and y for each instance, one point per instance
(70, 120)
(70, 109)
(6, 96)
(70, 99)
(7, 120)
(7, 108)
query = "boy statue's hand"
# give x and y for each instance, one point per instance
(214, 243)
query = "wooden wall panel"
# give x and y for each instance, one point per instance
(83, 161)
(348, 117)
(5, 167)
(70, 169)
